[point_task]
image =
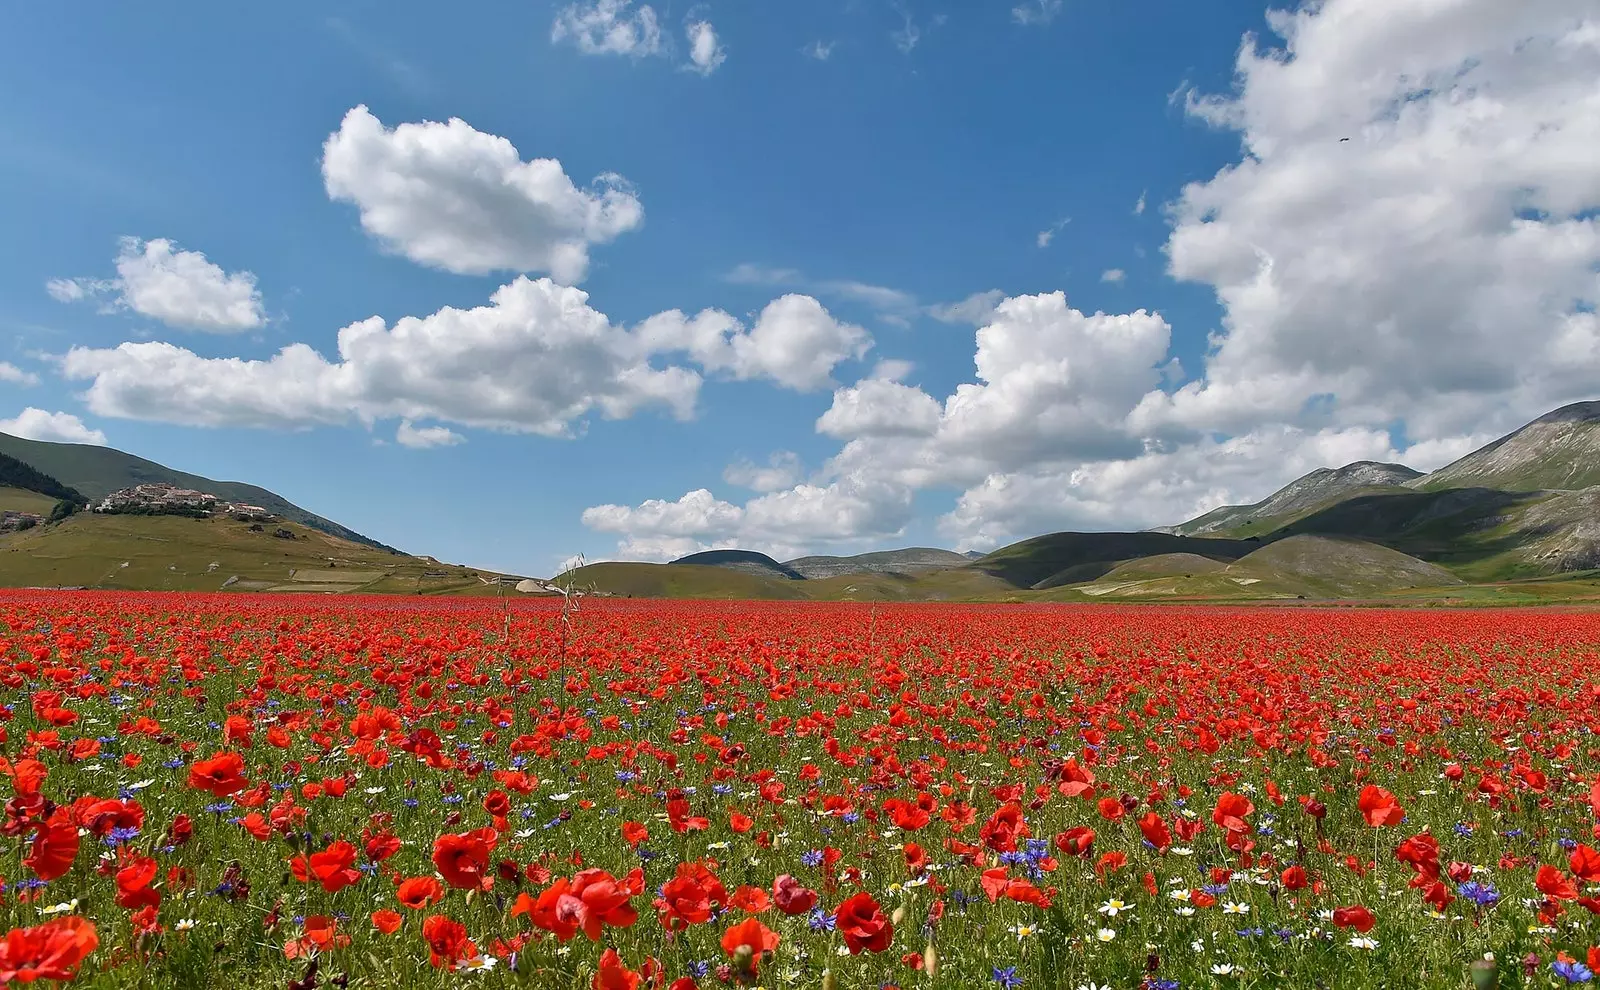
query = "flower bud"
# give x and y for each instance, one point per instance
(1483, 975)
(898, 916)
(930, 961)
(828, 982)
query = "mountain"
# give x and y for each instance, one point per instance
(98, 471)
(744, 561)
(908, 561)
(1319, 489)
(1558, 451)
(14, 474)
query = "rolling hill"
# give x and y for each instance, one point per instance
(909, 561)
(743, 561)
(99, 471)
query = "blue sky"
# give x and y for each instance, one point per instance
(189, 192)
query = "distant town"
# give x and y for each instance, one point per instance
(172, 500)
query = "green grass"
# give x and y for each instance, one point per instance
(176, 553)
(21, 500)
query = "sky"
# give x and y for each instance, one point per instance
(507, 283)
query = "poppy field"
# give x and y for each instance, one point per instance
(283, 792)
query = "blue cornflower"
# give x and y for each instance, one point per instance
(411, 802)
(1567, 844)
(1037, 848)
(646, 854)
(1463, 829)
(1215, 889)
(850, 818)
(173, 763)
(1007, 977)
(118, 836)
(1572, 972)
(452, 799)
(1481, 894)
(698, 969)
(627, 776)
(811, 857)
(721, 789)
(1249, 932)
(1164, 985)
(220, 807)
(820, 921)
(1013, 858)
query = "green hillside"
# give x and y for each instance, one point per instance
(1071, 558)
(99, 471)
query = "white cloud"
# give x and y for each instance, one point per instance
(795, 342)
(451, 197)
(819, 50)
(909, 34)
(1438, 266)
(1113, 275)
(422, 438)
(609, 27)
(880, 407)
(537, 359)
(1045, 236)
(894, 305)
(782, 470)
(974, 310)
(68, 290)
(1138, 208)
(705, 50)
(15, 375)
(58, 427)
(1036, 11)
(156, 278)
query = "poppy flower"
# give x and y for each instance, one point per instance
(222, 774)
(51, 951)
(1155, 831)
(1294, 878)
(1585, 863)
(1356, 917)
(791, 896)
(688, 897)
(1554, 884)
(751, 899)
(54, 847)
(463, 859)
(448, 944)
(613, 975)
(417, 893)
(588, 902)
(1231, 811)
(386, 921)
(1078, 841)
(133, 884)
(752, 934)
(1379, 807)
(863, 925)
(634, 833)
(335, 867)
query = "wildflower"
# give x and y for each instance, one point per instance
(1007, 977)
(1223, 969)
(1113, 907)
(1572, 971)
(1105, 934)
(1363, 942)
(1235, 907)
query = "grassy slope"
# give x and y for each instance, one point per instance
(1071, 558)
(174, 553)
(21, 500)
(98, 471)
(681, 581)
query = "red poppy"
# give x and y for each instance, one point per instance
(1585, 863)
(222, 774)
(688, 897)
(1379, 807)
(417, 893)
(863, 925)
(386, 921)
(1231, 811)
(463, 860)
(1554, 884)
(51, 951)
(448, 944)
(634, 833)
(1356, 917)
(133, 883)
(335, 866)
(751, 899)
(1077, 841)
(588, 902)
(1294, 878)
(612, 975)
(752, 934)
(1155, 831)
(792, 896)
(55, 846)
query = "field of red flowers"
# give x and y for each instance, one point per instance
(279, 792)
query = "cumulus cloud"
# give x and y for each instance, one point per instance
(795, 341)
(58, 427)
(879, 407)
(15, 375)
(1437, 266)
(536, 359)
(609, 27)
(424, 437)
(1113, 275)
(448, 196)
(782, 470)
(705, 50)
(158, 279)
